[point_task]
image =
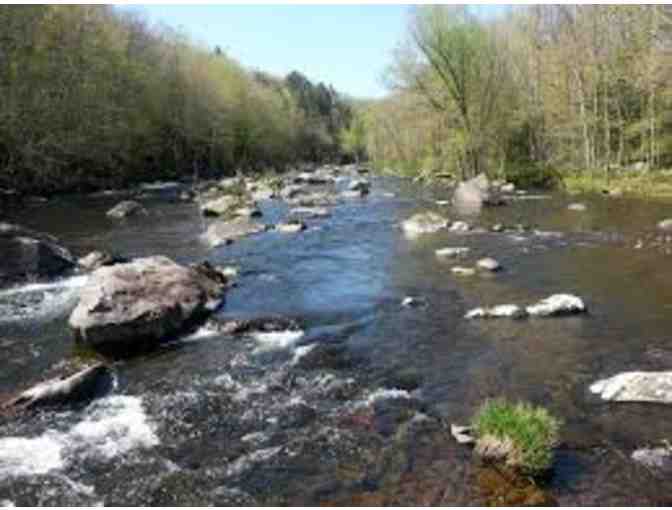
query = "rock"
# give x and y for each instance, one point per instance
(577, 207)
(655, 458)
(443, 202)
(312, 200)
(665, 224)
(424, 223)
(255, 325)
(221, 206)
(488, 264)
(452, 252)
(263, 193)
(129, 307)
(83, 386)
(231, 183)
(413, 302)
(636, 387)
(248, 212)
(459, 226)
(556, 305)
(463, 271)
(292, 191)
(226, 232)
(475, 193)
(311, 178)
(26, 253)
(508, 188)
(512, 311)
(497, 227)
(361, 185)
(615, 192)
(97, 259)
(309, 212)
(350, 194)
(462, 434)
(126, 209)
(290, 228)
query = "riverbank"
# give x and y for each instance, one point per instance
(656, 184)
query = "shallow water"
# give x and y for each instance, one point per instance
(262, 420)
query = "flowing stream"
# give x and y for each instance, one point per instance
(353, 407)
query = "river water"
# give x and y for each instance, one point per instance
(353, 408)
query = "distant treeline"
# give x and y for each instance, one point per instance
(94, 96)
(529, 95)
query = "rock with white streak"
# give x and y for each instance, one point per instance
(511, 311)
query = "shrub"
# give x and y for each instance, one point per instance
(520, 435)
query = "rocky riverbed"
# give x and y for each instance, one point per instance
(340, 354)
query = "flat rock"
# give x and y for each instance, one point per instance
(290, 228)
(511, 311)
(452, 252)
(27, 253)
(226, 204)
(424, 223)
(133, 306)
(226, 232)
(488, 264)
(463, 271)
(556, 305)
(98, 258)
(459, 226)
(636, 387)
(577, 207)
(126, 209)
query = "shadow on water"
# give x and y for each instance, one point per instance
(353, 408)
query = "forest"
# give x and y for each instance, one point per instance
(96, 96)
(535, 95)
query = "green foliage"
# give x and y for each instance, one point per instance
(531, 432)
(91, 96)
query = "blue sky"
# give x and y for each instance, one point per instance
(348, 46)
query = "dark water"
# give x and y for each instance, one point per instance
(210, 420)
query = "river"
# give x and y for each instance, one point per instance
(264, 420)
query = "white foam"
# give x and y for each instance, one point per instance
(112, 426)
(301, 351)
(383, 394)
(277, 340)
(75, 282)
(201, 333)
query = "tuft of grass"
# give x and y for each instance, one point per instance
(520, 435)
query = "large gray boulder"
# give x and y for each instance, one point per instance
(129, 307)
(221, 206)
(475, 193)
(636, 387)
(226, 232)
(26, 253)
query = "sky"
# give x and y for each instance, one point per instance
(348, 46)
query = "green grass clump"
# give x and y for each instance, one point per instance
(655, 184)
(521, 435)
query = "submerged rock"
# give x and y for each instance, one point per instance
(133, 306)
(557, 304)
(225, 232)
(636, 387)
(255, 325)
(126, 209)
(81, 387)
(424, 223)
(655, 458)
(98, 258)
(26, 253)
